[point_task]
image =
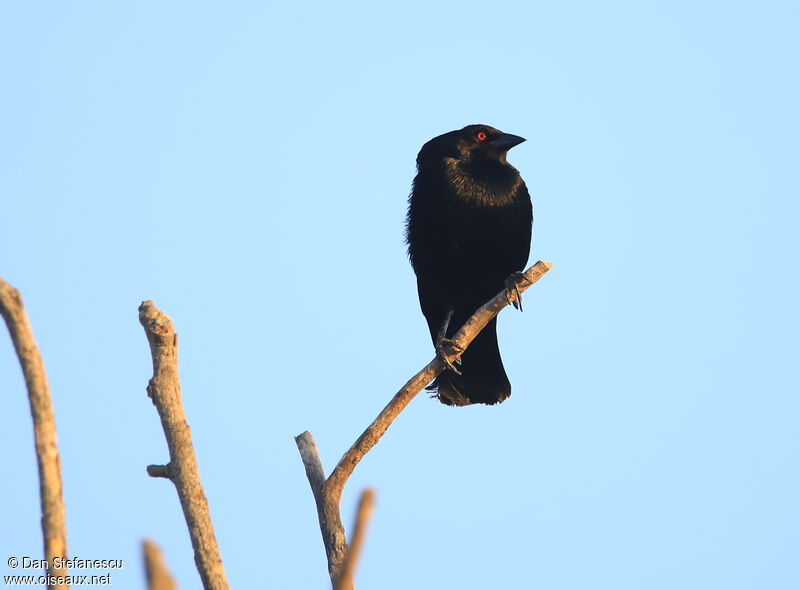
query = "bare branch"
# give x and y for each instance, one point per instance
(329, 495)
(366, 507)
(330, 523)
(54, 525)
(477, 322)
(155, 568)
(164, 390)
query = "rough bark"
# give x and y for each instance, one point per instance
(164, 390)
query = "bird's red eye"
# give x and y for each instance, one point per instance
(481, 136)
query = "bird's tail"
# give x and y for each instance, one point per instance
(483, 378)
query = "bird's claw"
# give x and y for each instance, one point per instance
(449, 353)
(513, 294)
(445, 324)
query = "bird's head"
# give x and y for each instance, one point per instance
(473, 142)
(472, 162)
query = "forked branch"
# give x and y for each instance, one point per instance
(328, 492)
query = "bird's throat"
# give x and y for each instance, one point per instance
(489, 183)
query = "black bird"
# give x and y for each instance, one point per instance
(468, 229)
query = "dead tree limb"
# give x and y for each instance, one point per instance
(164, 389)
(328, 492)
(155, 568)
(54, 525)
(366, 506)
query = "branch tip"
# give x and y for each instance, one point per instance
(366, 508)
(159, 471)
(155, 567)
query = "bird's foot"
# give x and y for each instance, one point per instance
(450, 353)
(513, 294)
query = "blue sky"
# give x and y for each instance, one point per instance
(246, 166)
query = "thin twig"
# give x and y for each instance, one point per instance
(366, 507)
(155, 568)
(328, 494)
(164, 390)
(54, 525)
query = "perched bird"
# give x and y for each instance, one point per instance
(468, 229)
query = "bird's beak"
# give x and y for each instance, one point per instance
(507, 141)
